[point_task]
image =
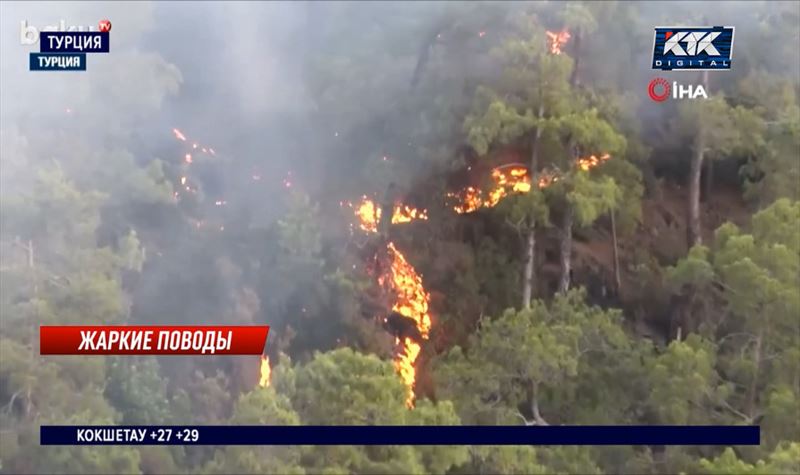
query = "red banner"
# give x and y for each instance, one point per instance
(152, 340)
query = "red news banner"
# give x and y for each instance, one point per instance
(152, 340)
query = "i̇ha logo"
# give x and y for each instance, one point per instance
(659, 90)
(653, 88)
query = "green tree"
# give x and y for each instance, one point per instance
(138, 390)
(344, 387)
(716, 129)
(532, 80)
(518, 362)
(682, 380)
(752, 279)
(56, 274)
(772, 171)
(785, 459)
(262, 406)
(503, 459)
(564, 125)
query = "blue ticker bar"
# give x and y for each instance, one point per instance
(400, 435)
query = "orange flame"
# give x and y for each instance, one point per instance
(411, 301)
(406, 214)
(514, 180)
(411, 298)
(179, 135)
(369, 214)
(266, 371)
(404, 364)
(590, 162)
(556, 40)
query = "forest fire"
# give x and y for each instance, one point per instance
(412, 298)
(179, 135)
(406, 214)
(514, 180)
(405, 284)
(404, 364)
(369, 214)
(590, 162)
(556, 40)
(266, 372)
(188, 159)
(411, 301)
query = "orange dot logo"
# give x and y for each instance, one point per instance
(104, 26)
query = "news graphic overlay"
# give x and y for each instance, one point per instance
(697, 48)
(400, 435)
(659, 90)
(63, 48)
(152, 340)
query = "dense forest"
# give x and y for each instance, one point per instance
(448, 213)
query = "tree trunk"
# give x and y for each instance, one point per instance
(617, 283)
(529, 279)
(694, 229)
(537, 417)
(529, 273)
(573, 80)
(566, 249)
(566, 225)
(751, 396)
(387, 210)
(709, 181)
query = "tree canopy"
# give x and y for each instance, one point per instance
(546, 245)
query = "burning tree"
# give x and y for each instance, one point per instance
(403, 285)
(538, 77)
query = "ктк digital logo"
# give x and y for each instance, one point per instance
(695, 48)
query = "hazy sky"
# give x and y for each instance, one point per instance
(225, 73)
